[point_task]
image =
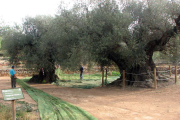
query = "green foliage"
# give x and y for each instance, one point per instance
(26, 45)
(107, 33)
(171, 54)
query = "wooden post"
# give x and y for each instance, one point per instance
(175, 74)
(155, 81)
(123, 79)
(170, 70)
(13, 110)
(102, 77)
(106, 77)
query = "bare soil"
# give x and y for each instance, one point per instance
(113, 103)
(5, 83)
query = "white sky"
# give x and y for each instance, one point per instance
(13, 11)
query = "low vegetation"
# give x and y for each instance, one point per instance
(5, 112)
(23, 111)
(89, 80)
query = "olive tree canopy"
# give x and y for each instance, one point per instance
(107, 32)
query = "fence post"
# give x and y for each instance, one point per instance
(106, 77)
(170, 70)
(155, 81)
(175, 74)
(123, 79)
(102, 77)
(13, 109)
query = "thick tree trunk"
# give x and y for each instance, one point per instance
(134, 73)
(145, 71)
(50, 76)
(45, 74)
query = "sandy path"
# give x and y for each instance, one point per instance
(114, 103)
(5, 83)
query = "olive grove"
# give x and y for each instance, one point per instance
(125, 33)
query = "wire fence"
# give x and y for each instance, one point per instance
(95, 78)
(161, 74)
(101, 78)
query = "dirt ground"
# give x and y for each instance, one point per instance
(112, 103)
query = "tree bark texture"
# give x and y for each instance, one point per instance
(132, 73)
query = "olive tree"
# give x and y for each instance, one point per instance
(125, 35)
(105, 32)
(25, 45)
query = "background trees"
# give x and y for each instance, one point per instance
(105, 32)
(24, 45)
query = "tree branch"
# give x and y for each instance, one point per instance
(159, 44)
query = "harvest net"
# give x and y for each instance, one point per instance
(53, 108)
(89, 80)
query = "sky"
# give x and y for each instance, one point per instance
(13, 11)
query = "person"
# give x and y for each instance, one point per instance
(41, 75)
(13, 77)
(81, 72)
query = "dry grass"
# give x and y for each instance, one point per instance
(6, 114)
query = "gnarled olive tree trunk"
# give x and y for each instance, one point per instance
(133, 73)
(47, 74)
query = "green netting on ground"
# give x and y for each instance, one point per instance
(53, 108)
(89, 80)
(85, 83)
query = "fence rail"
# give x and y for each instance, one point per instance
(155, 79)
(174, 70)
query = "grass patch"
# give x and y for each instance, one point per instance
(5, 112)
(114, 73)
(84, 86)
(89, 80)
